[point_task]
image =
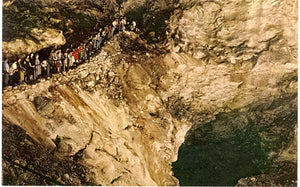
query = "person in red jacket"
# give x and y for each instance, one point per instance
(75, 55)
(79, 53)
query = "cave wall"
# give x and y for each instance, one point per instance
(106, 116)
(236, 31)
(125, 114)
(29, 26)
(258, 143)
(243, 46)
(152, 17)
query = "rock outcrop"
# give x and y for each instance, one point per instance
(221, 79)
(114, 137)
(235, 31)
(244, 47)
(30, 26)
(26, 162)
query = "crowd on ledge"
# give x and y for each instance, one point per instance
(31, 68)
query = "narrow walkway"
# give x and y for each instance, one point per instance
(31, 69)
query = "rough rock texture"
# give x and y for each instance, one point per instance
(106, 117)
(236, 31)
(33, 25)
(152, 17)
(246, 49)
(244, 143)
(226, 80)
(27, 162)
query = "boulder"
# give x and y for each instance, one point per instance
(43, 105)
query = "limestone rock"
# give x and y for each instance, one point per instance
(233, 29)
(230, 74)
(43, 104)
(42, 24)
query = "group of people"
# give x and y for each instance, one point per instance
(31, 68)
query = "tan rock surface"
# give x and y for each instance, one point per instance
(125, 114)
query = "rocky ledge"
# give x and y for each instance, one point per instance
(124, 115)
(30, 26)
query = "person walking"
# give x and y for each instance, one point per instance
(83, 53)
(114, 26)
(52, 62)
(100, 39)
(66, 60)
(89, 50)
(75, 55)
(32, 66)
(71, 59)
(44, 68)
(123, 24)
(132, 26)
(94, 41)
(25, 65)
(38, 68)
(29, 69)
(14, 72)
(79, 54)
(22, 70)
(110, 33)
(104, 33)
(49, 66)
(5, 72)
(57, 59)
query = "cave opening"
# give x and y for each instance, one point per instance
(212, 161)
(234, 146)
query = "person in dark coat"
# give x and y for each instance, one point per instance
(29, 69)
(25, 64)
(89, 50)
(14, 73)
(48, 67)
(44, 68)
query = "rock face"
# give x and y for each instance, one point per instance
(241, 45)
(31, 163)
(244, 143)
(30, 26)
(106, 117)
(225, 83)
(235, 31)
(152, 17)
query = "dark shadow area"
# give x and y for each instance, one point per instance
(205, 161)
(242, 145)
(74, 19)
(151, 19)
